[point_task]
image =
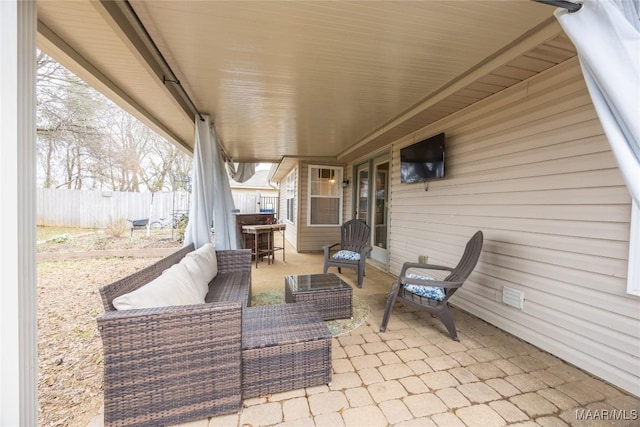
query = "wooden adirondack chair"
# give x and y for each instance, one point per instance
(353, 248)
(425, 293)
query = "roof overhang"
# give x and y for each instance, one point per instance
(300, 79)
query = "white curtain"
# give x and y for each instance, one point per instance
(606, 34)
(224, 223)
(241, 172)
(211, 200)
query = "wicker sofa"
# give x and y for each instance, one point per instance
(167, 365)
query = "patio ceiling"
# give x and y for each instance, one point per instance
(300, 79)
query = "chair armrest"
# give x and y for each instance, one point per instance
(168, 364)
(408, 265)
(327, 248)
(155, 335)
(432, 283)
(184, 319)
(234, 260)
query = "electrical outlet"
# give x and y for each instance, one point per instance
(422, 259)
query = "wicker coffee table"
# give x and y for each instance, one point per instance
(331, 296)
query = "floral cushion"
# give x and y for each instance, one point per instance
(431, 292)
(347, 255)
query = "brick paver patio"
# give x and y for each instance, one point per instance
(415, 375)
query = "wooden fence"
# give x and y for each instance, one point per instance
(96, 209)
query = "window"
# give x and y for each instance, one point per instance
(290, 196)
(325, 196)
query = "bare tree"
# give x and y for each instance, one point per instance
(86, 142)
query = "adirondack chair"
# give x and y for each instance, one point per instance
(353, 248)
(431, 295)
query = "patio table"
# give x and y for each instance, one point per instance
(259, 249)
(332, 296)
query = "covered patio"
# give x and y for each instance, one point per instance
(415, 375)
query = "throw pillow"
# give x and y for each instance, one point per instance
(172, 287)
(202, 267)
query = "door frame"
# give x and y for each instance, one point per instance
(378, 255)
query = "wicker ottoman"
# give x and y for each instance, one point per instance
(331, 295)
(284, 347)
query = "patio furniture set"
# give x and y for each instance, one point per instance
(194, 358)
(171, 364)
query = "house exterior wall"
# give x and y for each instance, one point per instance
(291, 232)
(348, 196)
(532, 169)
(303, 237)
(312, 238)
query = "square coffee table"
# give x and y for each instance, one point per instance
(331, 295)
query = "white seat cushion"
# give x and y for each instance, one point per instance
(172, 287)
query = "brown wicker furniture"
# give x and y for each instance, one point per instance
(330, 295)
(431, 295)
(284, 347)
(169, 365)
(354, 249)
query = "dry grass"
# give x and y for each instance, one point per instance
(69, 346)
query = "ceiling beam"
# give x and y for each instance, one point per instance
(124, 21)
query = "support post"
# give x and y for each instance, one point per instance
(18, 291)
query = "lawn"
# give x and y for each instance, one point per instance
(47, 233)
(69, 347)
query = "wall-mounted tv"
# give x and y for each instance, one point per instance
(423, 160)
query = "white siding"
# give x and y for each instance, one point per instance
(291, 232)
(531, 168)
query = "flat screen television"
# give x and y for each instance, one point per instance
(423, 160)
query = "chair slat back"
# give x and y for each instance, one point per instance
(469, 259)
(354, 235)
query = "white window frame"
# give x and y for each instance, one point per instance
(338, 181)
(633, 273)
(290, 194)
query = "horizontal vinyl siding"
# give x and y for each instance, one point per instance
(347, 205)
(531, 168)
(312, 238)
(291, 232)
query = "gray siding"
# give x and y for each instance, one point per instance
(347, 206)
(312, 238)
(531, 168)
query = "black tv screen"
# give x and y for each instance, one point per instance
(423, 160)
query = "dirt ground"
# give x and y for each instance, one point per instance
(69, 346)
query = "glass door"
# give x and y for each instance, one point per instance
(380, 211)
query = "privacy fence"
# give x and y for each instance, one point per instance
(96, 209)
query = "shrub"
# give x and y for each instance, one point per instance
(116, 228)
(181, 227)
(61, 238)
